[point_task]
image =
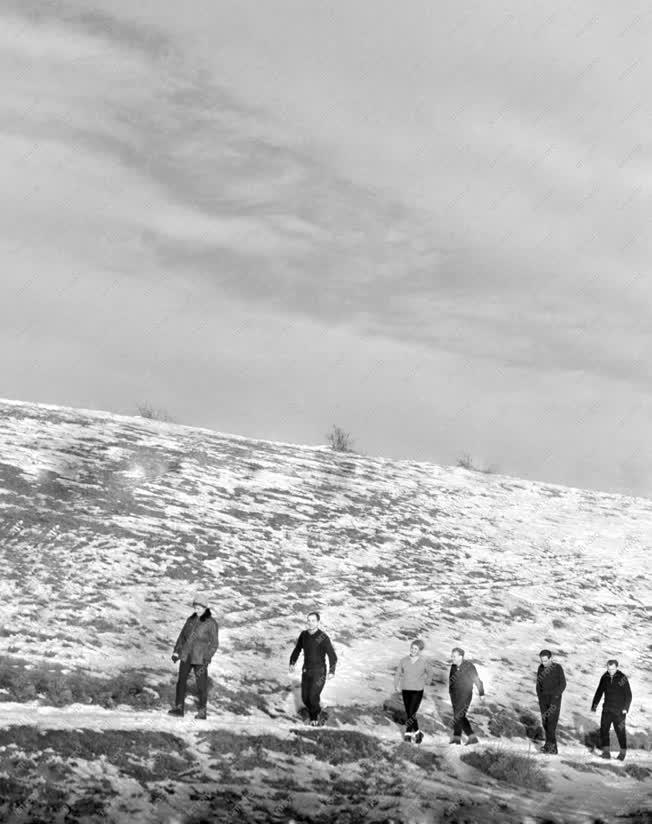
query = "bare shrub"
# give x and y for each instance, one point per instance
(512, 768)
(339, 440)
(465, 461)
(146, 410)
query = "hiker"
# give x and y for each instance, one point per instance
(617, 701)
(316, 645)
(412, 676)
(195, 647)
(463, 675)
(551, 682)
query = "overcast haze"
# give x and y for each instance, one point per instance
(426, 222)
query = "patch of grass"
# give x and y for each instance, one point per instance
(514, 723)
(345, 746)
(59, 688)
(512, 768)
(353, 713)
(335, 747)
(638, 772)
(143, 755)
(240, 702)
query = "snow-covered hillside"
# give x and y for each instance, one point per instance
(109, 524)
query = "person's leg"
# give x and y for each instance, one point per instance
(458, 715)
(316, 682)
(467, 729)
(407, 703)
(621, 731)
(201, 677)
(182, 680)
(553, 718)
(305, 691)
(605, 727)
(412, 700)
(416, 703)
(547, 711)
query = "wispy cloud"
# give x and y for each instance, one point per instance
(483, 194)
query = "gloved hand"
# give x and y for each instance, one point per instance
(175, 658)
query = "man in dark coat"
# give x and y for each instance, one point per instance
(461, 678)
(614, 685)
(316, 645)
(551, 682)
(196, 645)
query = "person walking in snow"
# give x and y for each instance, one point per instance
(461, 678)
(412, 676)
(196, 645)
(316, 646)
(551, 683)
(614, 686)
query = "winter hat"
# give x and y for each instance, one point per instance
(201, 598)
(545, 652)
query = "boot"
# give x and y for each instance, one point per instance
(408, 737)
(605, 753)
(472, 739)
(418, 738)
(176, 711)
(201, 715)
(456, 739)
(621, 755)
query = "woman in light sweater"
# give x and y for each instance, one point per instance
(412, 675)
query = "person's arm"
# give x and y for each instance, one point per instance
(598, 695)
(478, 682)
(214, 641)
(332, 657)
(398, 676)
(539, 681)
(181, 640)
(562, 679)
(628, 694)
(430, 673)
(297, 650)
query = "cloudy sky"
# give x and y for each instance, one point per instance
(427, 222)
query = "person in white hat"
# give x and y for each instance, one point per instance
(196, 645)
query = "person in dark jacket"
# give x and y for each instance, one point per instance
(614, 686)
(551, 683)
(316, 645)
(196, 645)
(461, 678)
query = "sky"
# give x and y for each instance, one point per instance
(423, 222)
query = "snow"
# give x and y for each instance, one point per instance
(143, 514)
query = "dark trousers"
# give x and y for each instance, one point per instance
(550, 708)
(616, 718)
(312, 683)
(201, 677)
(412, 700)
(461, 723)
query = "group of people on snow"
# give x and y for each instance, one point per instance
(198, 642)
